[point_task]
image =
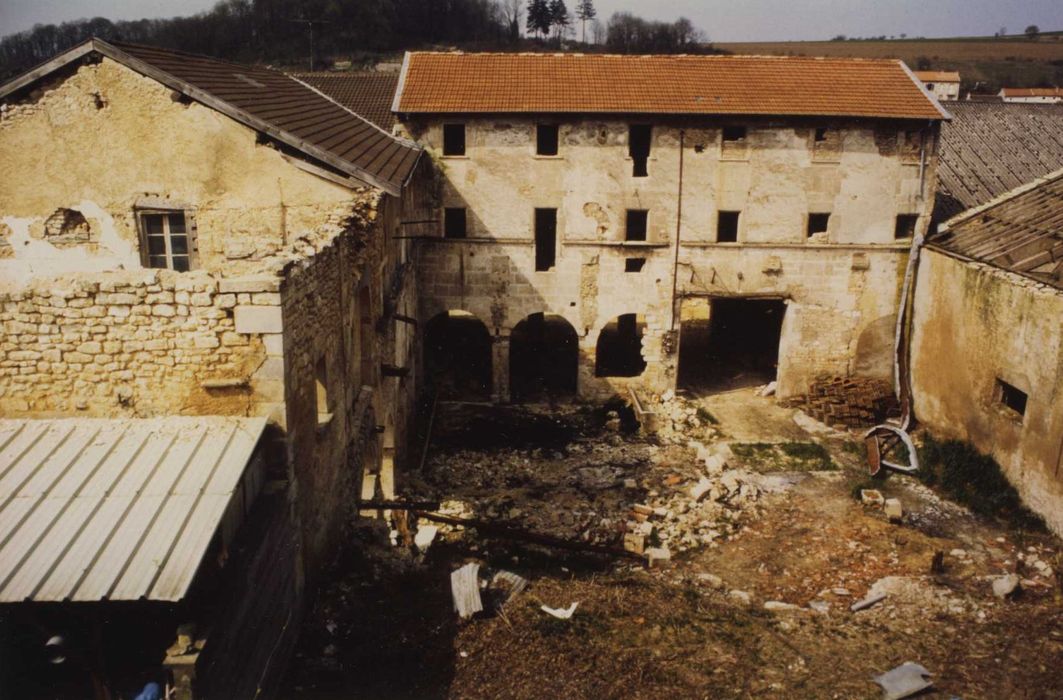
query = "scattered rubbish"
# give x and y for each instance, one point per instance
(883, 438)
(779, 606)
(1006, 586)
(894, 510)
(658, 557)
(904, 681)
(560, 613)
(426, 534)
(872, 497)
(465, 589)
(741, 597)
(841, 591)
(504, 585)
(768, 389)
(463, 654)
(820, 606)
(635, 542)
(712, 580)
(867, 602)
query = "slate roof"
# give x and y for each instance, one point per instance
(367, 93)
(263, 99)
(485, 83)
(1022, 231)
(116, 509)
(990, 148)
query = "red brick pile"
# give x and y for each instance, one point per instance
(848, 402)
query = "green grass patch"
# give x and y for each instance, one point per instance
(975, 480)
(784, 456)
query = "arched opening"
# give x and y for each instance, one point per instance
(457, 356)
(619, 351)
(543, 358)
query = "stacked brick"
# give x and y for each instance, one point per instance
(848, 402)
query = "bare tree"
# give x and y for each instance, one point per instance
(511, 12)
(585, 11)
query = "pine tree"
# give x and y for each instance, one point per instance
(540, 19)
(559, 18)
(585, 11)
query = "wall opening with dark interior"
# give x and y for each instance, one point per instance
(729, 343)
(635, 224)
(545, 239)
(543, 358)
(546, 139)
(619, 350)
(638, 148)
(457, 356)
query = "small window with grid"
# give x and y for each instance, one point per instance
(166, 240)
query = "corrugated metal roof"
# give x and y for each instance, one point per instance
(366, 93)
(266, 100)
(990, 148)
(114, 509)
(490, 83)
(1021, 231)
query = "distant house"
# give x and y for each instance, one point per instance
(1033, 95)
(944, 85)
(987, 348)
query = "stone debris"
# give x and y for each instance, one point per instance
(867, 602)
(658, 557)
(904, 681)
(560, 613)
(872, 497)
(894, 510)
(1006, 586)
(779, 606)
(740, 597)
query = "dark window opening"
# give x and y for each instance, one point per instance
(324, 407)
(454, 222)
(453, 139)
(545, 239)
(634, 264)
(1011, 397)
(905, 227)
(457, 356)
(638, 144)
(166, 241)
(635, 228)
(821, 134)
(729, 343)
(817, 223)
(543, 358)
(727, 226)
(734, 133)
(619, 351)
(546, 140)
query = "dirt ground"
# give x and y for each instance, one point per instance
(755, 601)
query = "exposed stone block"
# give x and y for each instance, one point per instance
(258, 283)
(258, 319)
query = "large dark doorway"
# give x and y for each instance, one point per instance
(734, 344)
(543, 358)
(619, 350)
(457, 356)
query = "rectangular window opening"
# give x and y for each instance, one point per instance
(1011, 397)
(905, 227)
(727, 226)
(453, 139)
(634, 264)
(635, 229)
(545, 239)
(817, 223)
(734, 133)
(638, 144)
(454, 222)
(166, 240)
(546, 140)
(821, 135)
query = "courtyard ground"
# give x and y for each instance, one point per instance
(770, 546)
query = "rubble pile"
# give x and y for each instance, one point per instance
(847, 402)
(677, 420)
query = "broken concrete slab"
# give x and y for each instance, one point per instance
(904, 681)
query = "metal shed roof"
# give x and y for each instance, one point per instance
(114, 509)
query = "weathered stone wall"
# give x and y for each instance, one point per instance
(842, 286)
(974, 324)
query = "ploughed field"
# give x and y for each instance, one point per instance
(769, 545)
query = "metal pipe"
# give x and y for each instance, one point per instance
(678, 229)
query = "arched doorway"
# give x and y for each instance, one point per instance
(543, 358)
(457, 356)
(619, 350)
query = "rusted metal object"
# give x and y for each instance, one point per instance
(880, 440)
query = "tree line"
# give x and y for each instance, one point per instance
(278, 31)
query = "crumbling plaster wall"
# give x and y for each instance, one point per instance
(842, 286)
(973, 324)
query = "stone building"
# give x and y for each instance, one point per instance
(942, 84)
(609, 222)
(181, 236)
(987, 343)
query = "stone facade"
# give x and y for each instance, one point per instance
(292, 277)
(976, 326)
(841, 286)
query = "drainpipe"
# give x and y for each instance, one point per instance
(678, 229)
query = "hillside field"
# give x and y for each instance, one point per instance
(994, 63)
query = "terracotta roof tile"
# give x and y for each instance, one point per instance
(600, 83)
(1033, 92)
(938, 76)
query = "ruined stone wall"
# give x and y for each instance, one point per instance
(842, 285)
(974, 324)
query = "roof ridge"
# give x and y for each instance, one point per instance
(715, 56)
(393, 137)
(179, 52)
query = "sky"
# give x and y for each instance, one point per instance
(721, 20)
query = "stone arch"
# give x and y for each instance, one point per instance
(619, 349)
(457, 356)
(543, 358)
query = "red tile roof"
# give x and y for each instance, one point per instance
(1032, 92)
(938, 76)
(484, 83)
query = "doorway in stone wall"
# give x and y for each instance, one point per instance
(457, 356)
(543, 358)
(729, 343)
